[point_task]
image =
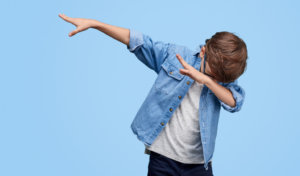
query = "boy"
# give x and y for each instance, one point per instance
(178, 121)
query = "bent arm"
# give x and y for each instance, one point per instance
(230, 95)
(118, 33)
(222, 93)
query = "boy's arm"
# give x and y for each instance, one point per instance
(230, 95)
(118, 33)
(82, 24)
(151, 53)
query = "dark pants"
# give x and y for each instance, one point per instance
(160, 165)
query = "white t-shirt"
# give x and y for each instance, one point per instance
(180, 139)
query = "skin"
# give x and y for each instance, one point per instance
(123, 36)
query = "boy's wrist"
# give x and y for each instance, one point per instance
(208, 82)
(95, 24)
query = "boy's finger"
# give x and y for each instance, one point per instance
(184, 72)
(182, 61)
(66, 18)
(73, 32)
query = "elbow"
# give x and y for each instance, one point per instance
(238, 100)
(233, 104)
(232, 109)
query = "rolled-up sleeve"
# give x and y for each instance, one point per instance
(149, 52)
(238, 94)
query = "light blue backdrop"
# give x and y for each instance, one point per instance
(65, 111)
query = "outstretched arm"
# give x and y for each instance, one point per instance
(82, 24)
(151, 53)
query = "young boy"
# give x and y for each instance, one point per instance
(178, 121)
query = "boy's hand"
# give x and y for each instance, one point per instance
(192, 72)
(82, 24)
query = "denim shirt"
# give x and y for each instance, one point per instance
(169, 89)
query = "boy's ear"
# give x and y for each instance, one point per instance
(202, 52)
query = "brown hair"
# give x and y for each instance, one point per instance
(226, 55)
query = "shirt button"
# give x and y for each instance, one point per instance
(171, 72)
(171, 109)
(179, 97)
(202, 109)
(188, 82)
(162, 123)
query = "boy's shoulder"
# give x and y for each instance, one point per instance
(185, 49)
(187, 54)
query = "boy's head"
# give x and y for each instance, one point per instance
(226, 56)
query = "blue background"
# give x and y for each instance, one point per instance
(65, 110)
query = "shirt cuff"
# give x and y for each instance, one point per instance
(238, 101)
(136, 40)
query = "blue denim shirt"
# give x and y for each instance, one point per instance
(169, 89)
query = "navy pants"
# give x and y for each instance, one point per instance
(160, 165)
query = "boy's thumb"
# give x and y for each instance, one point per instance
(184, 71)
(73, 32)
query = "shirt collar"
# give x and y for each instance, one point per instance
(198, 49)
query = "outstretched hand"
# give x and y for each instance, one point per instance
(82, 24)
(192, 72)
